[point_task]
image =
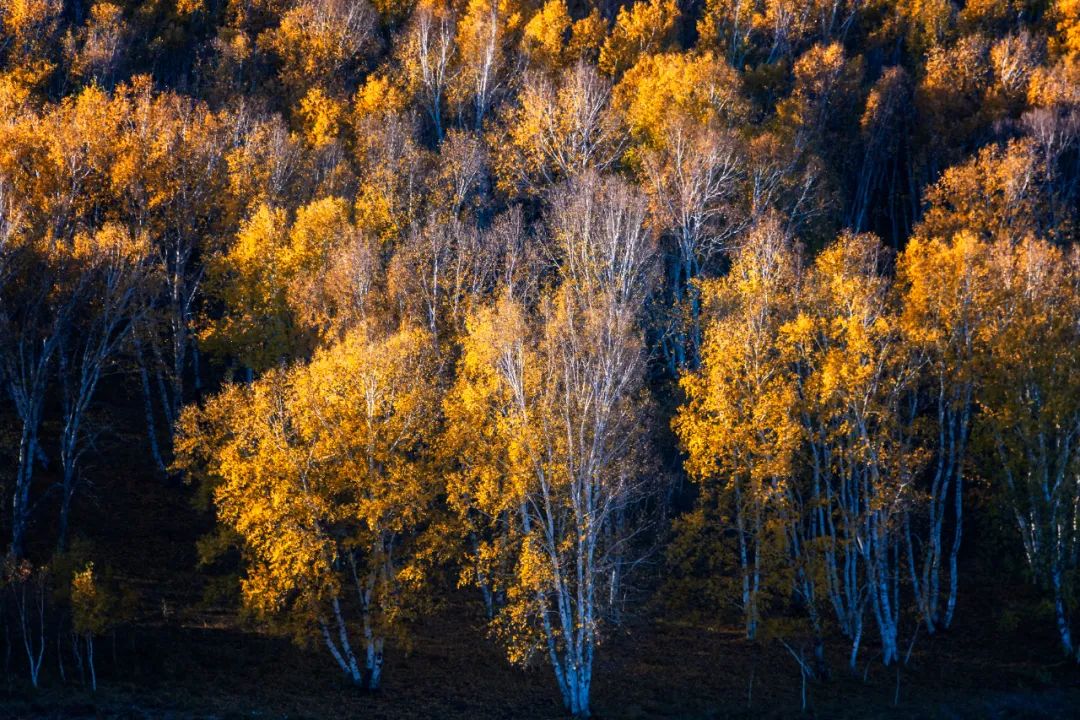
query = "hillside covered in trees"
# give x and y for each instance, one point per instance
(535, 357)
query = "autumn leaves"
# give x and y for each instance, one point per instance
(423, 285)
(833, 414)
(324, 472)
(347, 477)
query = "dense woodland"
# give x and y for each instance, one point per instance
(763, 313)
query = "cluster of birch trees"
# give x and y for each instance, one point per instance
(836, 412)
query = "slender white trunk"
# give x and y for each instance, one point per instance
(1061, 612)
(20, 510)
(373, 660)
(90, 661)
(748, 596)
(60, 657)
(342, 649)
(31, 609)
(148, 409)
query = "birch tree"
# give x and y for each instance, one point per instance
(559, 130)
(485, 34)
(945, 303)
(854, 381)
(1031, 409)
(680, 110)
(320, 469)
(429, 58)
(549, 401)
(739, 425)
(320, 40)
(35, 315)
(111, 270)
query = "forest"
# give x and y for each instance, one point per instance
(534, 358)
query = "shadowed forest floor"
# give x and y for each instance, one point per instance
(657, 670)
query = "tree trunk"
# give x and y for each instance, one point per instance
(90, 661)
(20, 510)
(67, 491)
(148, 410)
(1061, 613)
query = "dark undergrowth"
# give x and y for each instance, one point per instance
(651, 669)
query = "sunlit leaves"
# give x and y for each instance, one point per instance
(319, 463)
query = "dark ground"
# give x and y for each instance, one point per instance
(653, 670)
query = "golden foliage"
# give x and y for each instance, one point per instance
(641, 28)
(321, 466)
